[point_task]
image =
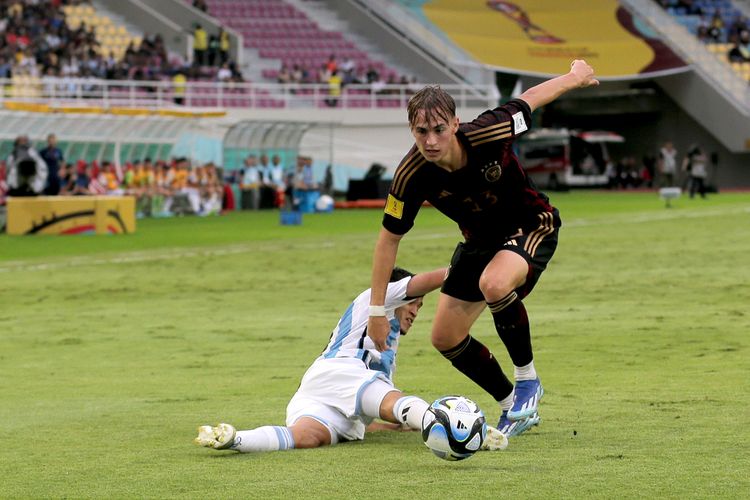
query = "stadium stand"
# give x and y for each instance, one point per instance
(721, 25)
(283, 32)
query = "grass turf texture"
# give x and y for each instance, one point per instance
(114, 349)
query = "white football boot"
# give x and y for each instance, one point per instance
(220, 437)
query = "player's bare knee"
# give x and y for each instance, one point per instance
(309, 440)
(444, 339)
(494, 288)
(310, 434)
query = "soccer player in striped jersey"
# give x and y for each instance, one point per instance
(470, 173)
(351, 383)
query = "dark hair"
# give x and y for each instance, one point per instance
(398, 274)
(436, 103)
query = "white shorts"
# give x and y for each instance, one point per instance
(331, 392)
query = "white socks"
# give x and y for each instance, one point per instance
(267, 438)
(507, 402)
(409, 411)
(525, 372)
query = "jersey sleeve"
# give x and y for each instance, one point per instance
(395, 295)
(505, 122)
(404, 195)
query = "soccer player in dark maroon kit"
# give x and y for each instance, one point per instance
(469, 172)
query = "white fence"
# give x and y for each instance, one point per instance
(89, 92)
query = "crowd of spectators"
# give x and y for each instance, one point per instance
(718, 23)
(36, 41)
(338, 75)
(161, 188)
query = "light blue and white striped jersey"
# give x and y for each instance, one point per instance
(349, 339)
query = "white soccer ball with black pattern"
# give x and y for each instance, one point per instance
(453, 427)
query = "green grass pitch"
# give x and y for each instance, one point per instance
(114, 349)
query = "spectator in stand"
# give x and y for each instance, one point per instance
(200, 45)
(347, 70)
(702, 31)
(211, 190)
(179, 85)
(224, 74)
(250, 184)
(83, 179)
(276, 179)
(306, 179)
(739, 24)
(53, 157)
(716, 27)
(372, 75)
(334, 89)
(331, 65)
(5, 67)
(27, 171)
(67, 179)
(284, 75)
(690, 8)
(236, 73)
(162, 198)
(224, 45)
(299, 74)
(741, 51)
(200, 5)
(213, 50)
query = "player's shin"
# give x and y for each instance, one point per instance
(512, 325)
(409, 411)
(474, 360)
(266, 438)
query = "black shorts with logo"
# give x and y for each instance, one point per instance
(470, 259)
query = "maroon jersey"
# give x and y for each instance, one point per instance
(490, 198)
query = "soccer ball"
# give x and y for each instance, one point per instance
(453, 427)
(324, 203)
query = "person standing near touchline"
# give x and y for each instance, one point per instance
(470, 173)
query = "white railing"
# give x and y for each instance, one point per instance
(87, 92)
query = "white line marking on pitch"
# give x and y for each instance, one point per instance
(146, 256)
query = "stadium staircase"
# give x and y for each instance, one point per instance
(714, 93)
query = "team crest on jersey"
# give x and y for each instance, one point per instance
(492, 171)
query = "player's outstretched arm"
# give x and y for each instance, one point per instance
(383, 261)
(424, 283)
(580, 75)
